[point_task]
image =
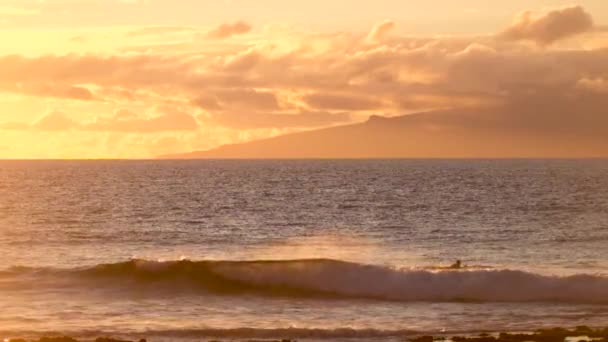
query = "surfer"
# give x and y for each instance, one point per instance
(457, 265)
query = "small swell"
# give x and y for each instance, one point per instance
(325, 278)
(238, 333)
(293, 333)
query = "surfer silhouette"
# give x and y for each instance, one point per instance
(457, 265)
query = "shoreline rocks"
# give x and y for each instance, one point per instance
(541, 335)
(584, 333)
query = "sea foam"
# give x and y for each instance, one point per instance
(332, 279)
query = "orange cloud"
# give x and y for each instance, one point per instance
(237, 98)
(549, 27)
(257, 120)
(248, 99)
(123, 121)
(59, 90)
(380, 31)
(230, 29)
(55, 121)
(160, 30)
(342, 102)
(310, 80)
(14, 126)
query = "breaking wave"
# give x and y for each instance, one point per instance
(238, 333)
(325, 278)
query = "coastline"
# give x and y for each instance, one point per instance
(558, 334)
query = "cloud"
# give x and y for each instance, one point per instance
(70, 92)
(242, 61)
(304, 119)
(380, 31)
(160, 30)
(405, 67)
(237, 98)
(549, 27)
(123, 121)
(291, 79)
(14, 126)
(42, 89)
(133, 2)
(55, 121)
(248, 99)
(207, 102)
(229, 29)
(12, 11)
(78, 39)
(128, 122)
(326, 101)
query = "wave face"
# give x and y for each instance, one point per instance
(324, 278)
(243, 333)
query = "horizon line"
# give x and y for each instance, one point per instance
(304, 159)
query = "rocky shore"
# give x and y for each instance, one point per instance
(579, 334)
(583, 333)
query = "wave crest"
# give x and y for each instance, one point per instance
(325, 278)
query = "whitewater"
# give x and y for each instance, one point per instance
(310, 250)
(323, 279)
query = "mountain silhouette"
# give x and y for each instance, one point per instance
(473, 133)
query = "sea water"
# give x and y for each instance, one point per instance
(306, 249)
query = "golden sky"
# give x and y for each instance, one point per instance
(140, 78)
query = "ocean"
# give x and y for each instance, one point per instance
(325, 250)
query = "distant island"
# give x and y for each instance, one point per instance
(507, 132)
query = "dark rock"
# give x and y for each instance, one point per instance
(600, 333)
(283, 340)
(554, 332)
(485, 339)
(543, 335)
(423, 339)
(514, 337)
(583, 330)
(109, 339)
(57, 339)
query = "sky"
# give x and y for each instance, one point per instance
(141, 78)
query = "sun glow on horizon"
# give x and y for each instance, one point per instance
(78, 84)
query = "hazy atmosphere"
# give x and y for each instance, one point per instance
(312, 171)
(139, 79)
